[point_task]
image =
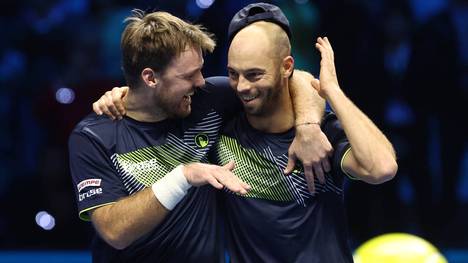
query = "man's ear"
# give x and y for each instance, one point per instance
(287, 67)
(149, 77)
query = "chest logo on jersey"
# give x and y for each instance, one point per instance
(202, 140)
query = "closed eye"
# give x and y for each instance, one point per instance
(232, 74)
(254, 75)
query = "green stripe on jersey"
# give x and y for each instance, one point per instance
(263, 175)
(148, 165)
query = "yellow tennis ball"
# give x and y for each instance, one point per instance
(396, 248)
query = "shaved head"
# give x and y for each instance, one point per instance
(259, 67)
(270, 36)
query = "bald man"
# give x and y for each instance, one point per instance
(279, 220)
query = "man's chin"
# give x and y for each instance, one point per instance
(184, 113)
(251, 110)
(179, 114)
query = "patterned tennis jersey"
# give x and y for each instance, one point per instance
(279, 220)
(110, 160)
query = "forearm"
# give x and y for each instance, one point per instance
(130, 218)
(369, 146)
(123, 222)
(309, 107)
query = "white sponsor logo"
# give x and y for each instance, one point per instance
(89, 182)
(90, 193)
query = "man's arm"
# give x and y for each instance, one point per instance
(121, 219)
(121, 223)
(112, 103)
(310, 145)
(309, 107)
(372, 157)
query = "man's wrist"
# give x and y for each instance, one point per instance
(306, 123)
(170, 189)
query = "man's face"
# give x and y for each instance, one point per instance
(254, 74)
(179, 82)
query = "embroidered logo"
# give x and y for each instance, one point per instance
(202, 140)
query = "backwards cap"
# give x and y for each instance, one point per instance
(258, 12)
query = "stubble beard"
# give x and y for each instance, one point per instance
(168, 110)
(267, 103)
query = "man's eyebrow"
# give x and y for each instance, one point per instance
(249, 70)
(254, 70)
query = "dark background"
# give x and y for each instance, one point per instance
(405, 63)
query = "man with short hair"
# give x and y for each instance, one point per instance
(128, 174)
(278, 220)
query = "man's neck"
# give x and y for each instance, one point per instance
(141, 106)
(278, 119)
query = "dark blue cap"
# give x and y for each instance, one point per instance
(258, 12)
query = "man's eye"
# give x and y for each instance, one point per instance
(232, 74)
(254, 76)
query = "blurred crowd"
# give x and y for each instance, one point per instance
(404, 62)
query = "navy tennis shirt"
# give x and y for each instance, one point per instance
(110, 160)
(278, 220)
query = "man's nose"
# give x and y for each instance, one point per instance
(200, 80)
(242, 84)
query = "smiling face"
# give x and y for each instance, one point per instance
(178, 83)
(256, 69)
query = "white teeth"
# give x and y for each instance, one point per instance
(245, 97)
(190, 93)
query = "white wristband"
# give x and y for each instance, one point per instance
(170, 189)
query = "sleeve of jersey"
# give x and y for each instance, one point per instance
(223, 97)
(335, 133)
(95, 180)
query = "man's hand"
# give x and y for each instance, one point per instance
(312, 148)
(198, 174)
(328, 78)
(112, 103)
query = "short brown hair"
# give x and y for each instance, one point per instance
(154, 39)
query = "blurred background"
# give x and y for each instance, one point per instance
(403, 62)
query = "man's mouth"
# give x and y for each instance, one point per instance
(248, 98)
(188, 97)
